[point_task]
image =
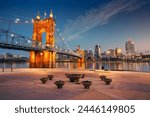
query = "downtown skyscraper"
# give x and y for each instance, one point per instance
(129, 47)
(97, 52)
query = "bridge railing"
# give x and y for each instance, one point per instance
(68, 52)
(12, 40)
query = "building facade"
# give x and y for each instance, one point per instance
(97, 53)
(88, 55)
(110, 53)
(118, 52)
(129, 47)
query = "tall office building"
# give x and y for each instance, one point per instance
(97, 53)
(129, 47)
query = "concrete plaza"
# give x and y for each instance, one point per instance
(24, 84)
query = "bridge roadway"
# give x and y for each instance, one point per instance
(9, 40)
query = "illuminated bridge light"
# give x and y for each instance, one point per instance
(32, 20)
(12, 35)
(29, 41)
(26, 22)
(17, 19)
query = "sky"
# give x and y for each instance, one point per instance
(109, 23)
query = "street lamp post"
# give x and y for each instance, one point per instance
(12, 36)
(3, 68)
(109, 62)
(105, 61)
(108, 54)
(11, 65)
(41, 58)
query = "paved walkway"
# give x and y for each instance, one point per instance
(25, 84)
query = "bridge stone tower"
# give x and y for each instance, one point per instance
(44, 59)
(80, 61)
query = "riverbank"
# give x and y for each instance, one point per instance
(25, 84)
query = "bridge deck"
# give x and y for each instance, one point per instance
(9, 40)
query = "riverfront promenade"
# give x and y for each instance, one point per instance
(25, 84)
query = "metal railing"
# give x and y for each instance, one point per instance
(10, 40)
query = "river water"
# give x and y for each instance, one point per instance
(144, 67)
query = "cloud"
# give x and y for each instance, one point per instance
(99, 16)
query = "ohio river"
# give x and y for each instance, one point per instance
(128, 66)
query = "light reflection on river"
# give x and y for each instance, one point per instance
(112, 66)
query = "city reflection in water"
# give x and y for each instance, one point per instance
(145, 66)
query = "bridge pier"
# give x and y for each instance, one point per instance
(48, 59)
(43, 59)
(32, 59)
(80, 63)
(52, 60)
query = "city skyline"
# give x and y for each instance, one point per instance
(109, 23)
